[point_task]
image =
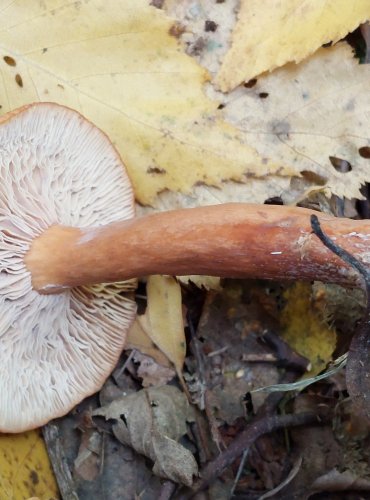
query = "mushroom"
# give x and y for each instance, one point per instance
(66, 226)
(55, 168)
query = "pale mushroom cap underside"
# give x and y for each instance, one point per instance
(55, 168)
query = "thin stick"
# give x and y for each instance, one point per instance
(358, 361)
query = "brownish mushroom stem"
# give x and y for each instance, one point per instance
(232, 240)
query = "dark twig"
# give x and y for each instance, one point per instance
(58, 461)
(246, 439)
(167, 490)
(286, 356)
(204, 381)
(343, 254)
(357, 372)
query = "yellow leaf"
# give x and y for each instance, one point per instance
(315, 110)
(304, 329)
(268, 36)
(165, 318)
(25, 470)
(139, 339)
(117, 63)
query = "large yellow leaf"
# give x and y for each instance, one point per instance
(117, 63)
(25, 469)
(310, 114)
(269, 35)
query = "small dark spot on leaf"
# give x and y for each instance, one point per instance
(176, 30)
(19, 80)
(221, 106)
(364, 152)
(275, 200)
(153, 404)
(210, 26)
(156, 170)
(60, 86)
(263, 95)
(251, 83)
(340, 165)
(34, 477)
(313, 177)
(198, 46)
(44, 50)
(157, 3)
(280, 127)
(350, 105)
(9, 60)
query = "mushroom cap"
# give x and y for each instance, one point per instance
(56, 168)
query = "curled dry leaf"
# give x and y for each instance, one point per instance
(152, 373)
(152, 421)
(264, 39)
(139, 340)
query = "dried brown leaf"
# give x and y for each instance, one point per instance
(152, 421)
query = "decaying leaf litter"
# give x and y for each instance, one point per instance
(275, 138)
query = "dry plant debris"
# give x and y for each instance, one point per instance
(152, 421)
(284, 136)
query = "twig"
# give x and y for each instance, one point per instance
(204, 380)
(357, 373)
(246, 439)
(59, 462)
(240, 470)
(294, 471)
(286, 356)
(167, 490)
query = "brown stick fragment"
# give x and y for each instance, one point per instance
(246, 439)
(232, 240)
(59, 463)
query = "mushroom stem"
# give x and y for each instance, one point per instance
(231, 240)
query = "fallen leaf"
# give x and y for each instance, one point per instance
(25, 467)
(305, 330)
(308, 114)
(266, 38)
(139, 339)
(165, 321)
(152, 421)
(301, 115)
(118, 64)
(152, 373)
(88, 462)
